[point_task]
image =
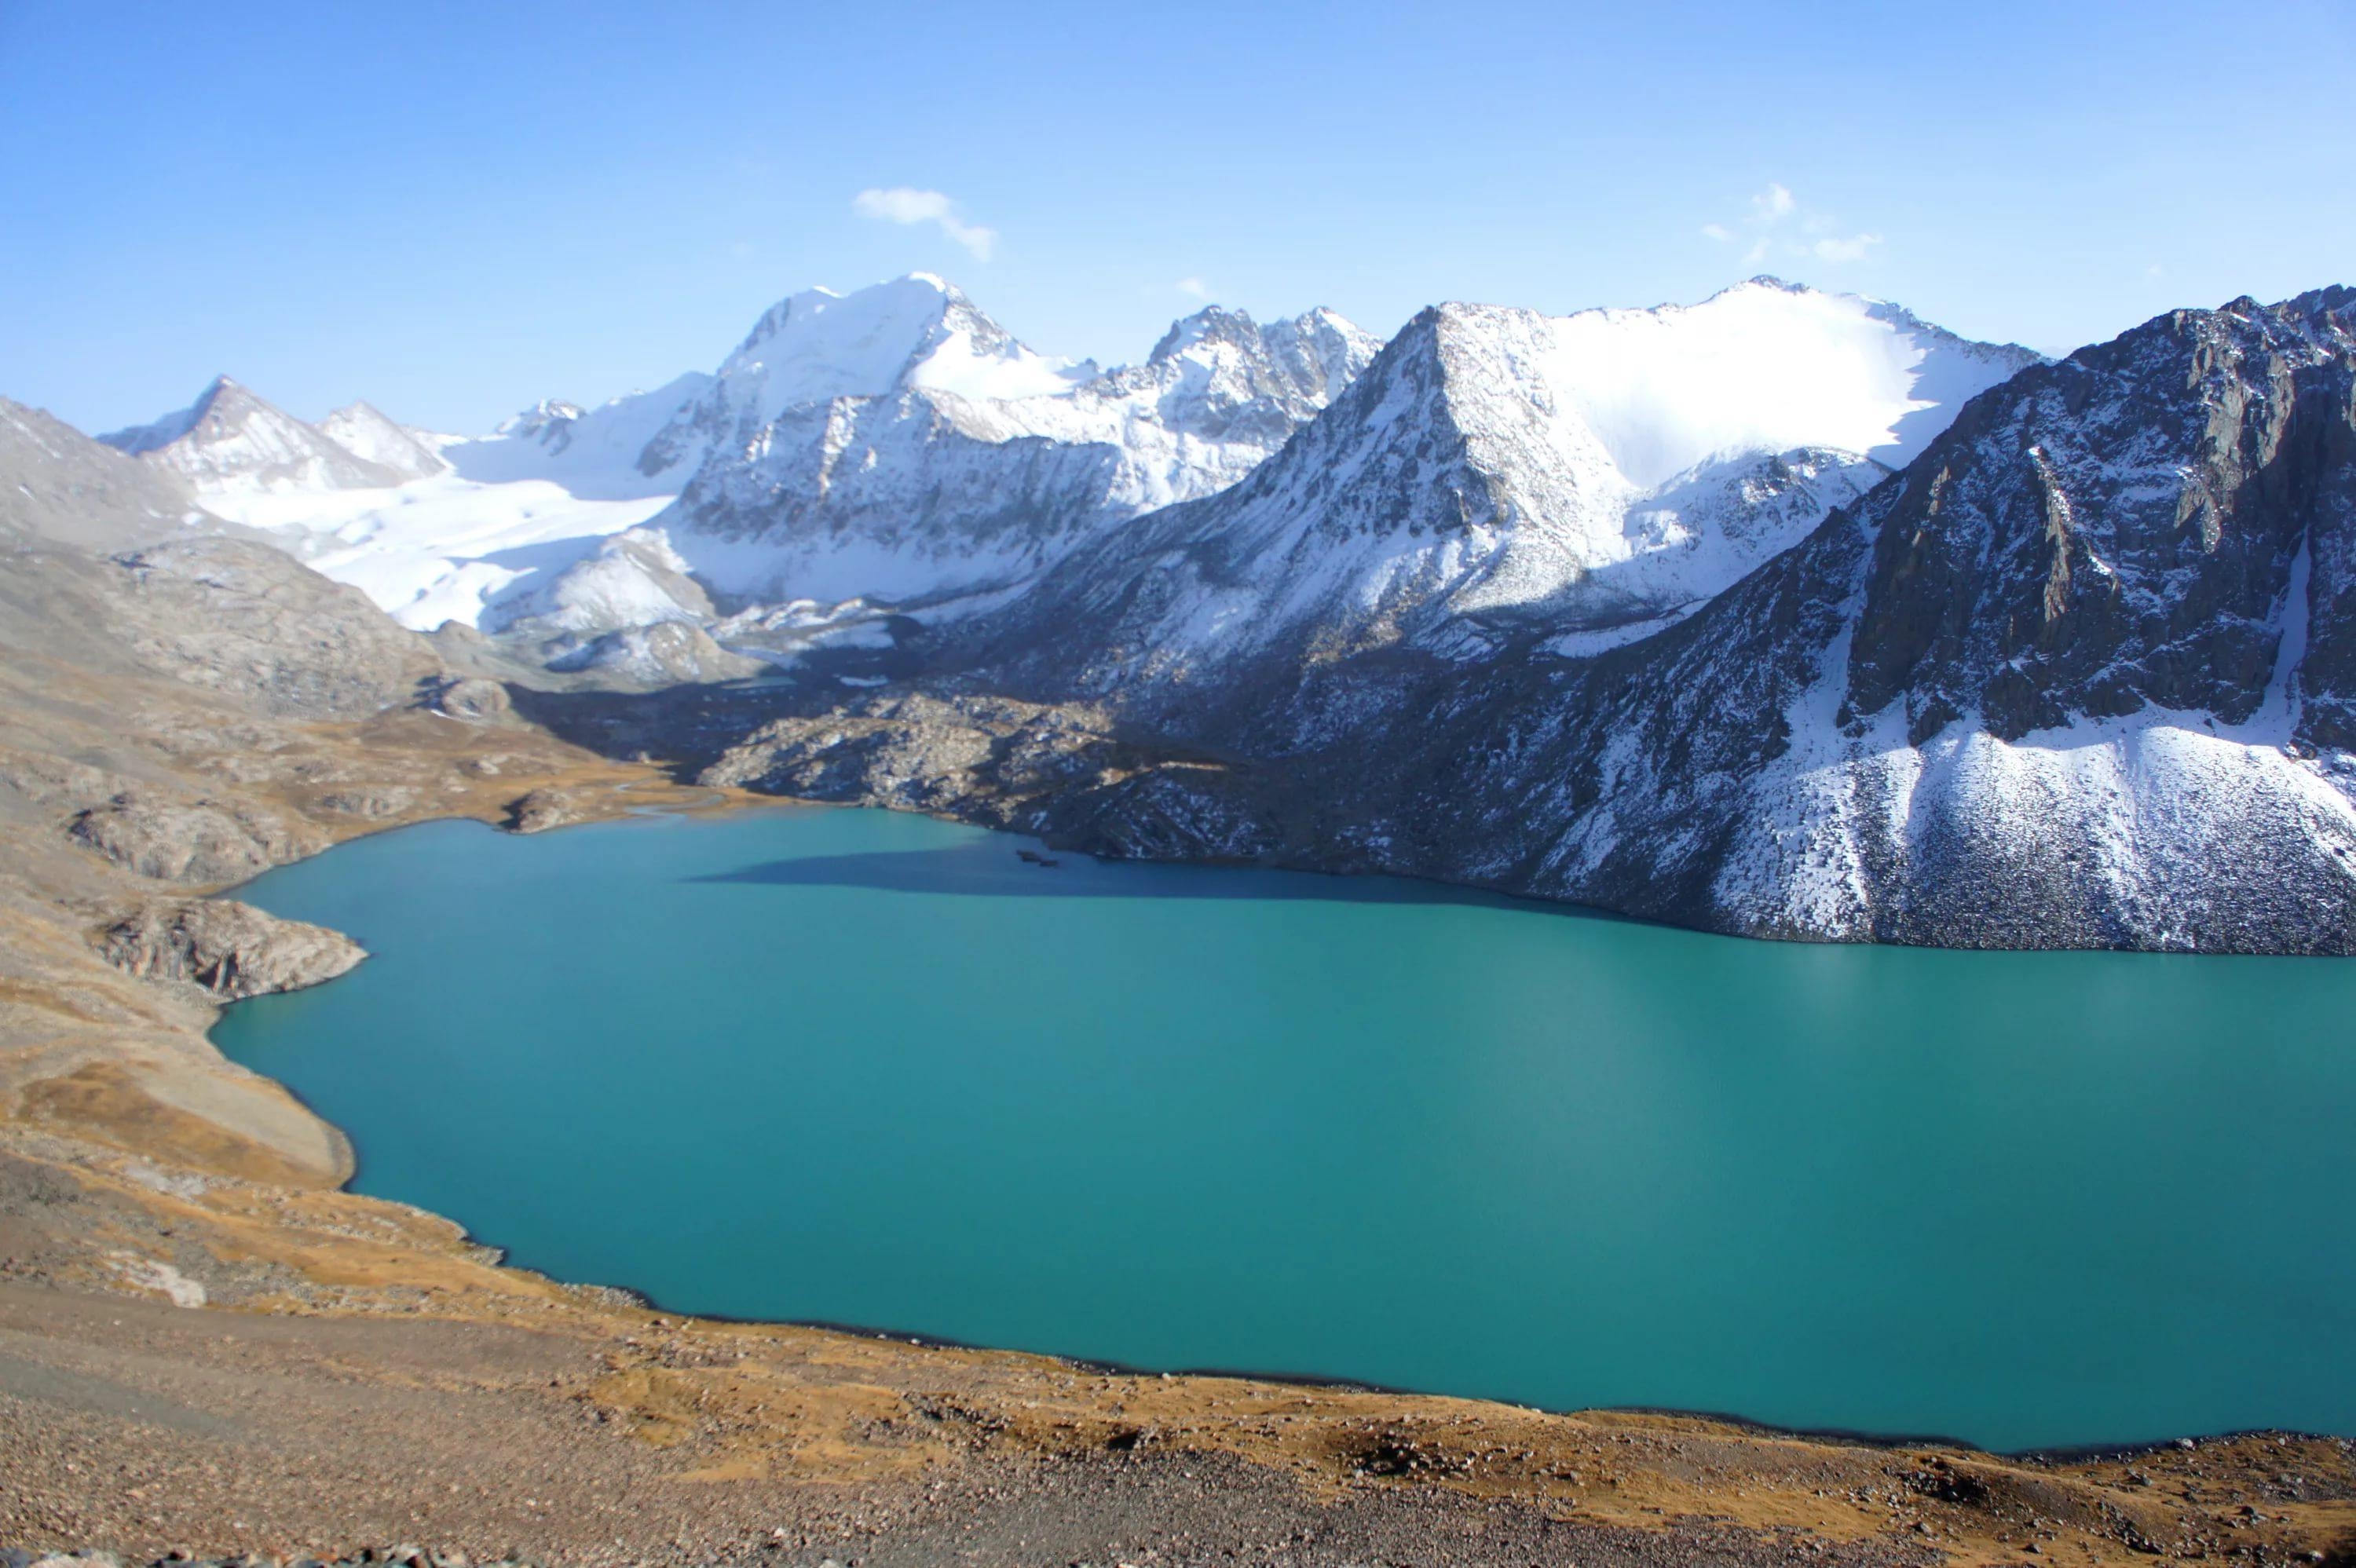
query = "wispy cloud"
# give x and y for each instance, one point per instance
(1851, 248)
(903, 204)
(1194, 288)
(1780, 225)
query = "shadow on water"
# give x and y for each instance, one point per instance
(990, 869)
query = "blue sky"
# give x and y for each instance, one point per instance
(454, 210)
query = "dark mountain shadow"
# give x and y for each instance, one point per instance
(996, 870)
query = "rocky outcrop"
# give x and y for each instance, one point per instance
(632, 578)
(670, 653)
(473, 700)
(541, 809)
(199, 841)
(231, 950)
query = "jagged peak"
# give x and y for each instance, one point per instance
(538, 417)
(1227, 324)
(176, 425)
(1213, 322)
(916, 332)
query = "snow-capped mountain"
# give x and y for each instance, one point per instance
(366, 433)
(230, 443)
(889, 444)
(818, 345)
(1500, 474)
(897, 443)
(2081, 673)
(598, 454)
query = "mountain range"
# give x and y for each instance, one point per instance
(1785, 613)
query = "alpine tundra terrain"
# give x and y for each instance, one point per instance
(1784, 612)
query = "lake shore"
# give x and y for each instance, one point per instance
(207, 1344)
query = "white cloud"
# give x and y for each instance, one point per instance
(1780, 225)
(902, 204)
(1852, 249)
(1194, 288)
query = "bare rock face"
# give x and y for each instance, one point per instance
(2161, 521)
(231, 949)
(198, 842)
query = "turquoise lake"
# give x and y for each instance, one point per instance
(859, 1068)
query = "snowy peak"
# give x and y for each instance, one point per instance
(1322, 350)
(1764, 365)
(232, 440)
(1319, 345)
(897, 443)
(367, 433)
(1211, 323)
(140, 439)
(916, 331)
(1302, 363)
(615, 451)
(549, 421)
(1497, 474)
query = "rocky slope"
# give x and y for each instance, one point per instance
(2075, 676)
(64, 490)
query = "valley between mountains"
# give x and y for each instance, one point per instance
(1782, 614)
